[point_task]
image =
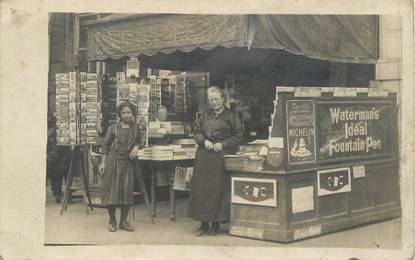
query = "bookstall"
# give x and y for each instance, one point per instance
(86, 105)
(313, 162)
(331, 162)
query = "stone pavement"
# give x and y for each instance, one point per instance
(76, 227)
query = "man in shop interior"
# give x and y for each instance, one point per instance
(162, 113)
(162, 116)
(217, 131)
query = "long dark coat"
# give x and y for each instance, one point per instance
(209, 194)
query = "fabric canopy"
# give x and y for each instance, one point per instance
(149, 35)
(342, 38)
(339, 38)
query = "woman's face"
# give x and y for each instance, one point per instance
(126, 114)
(215, 100)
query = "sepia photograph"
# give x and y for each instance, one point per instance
(176, 133)
(296, 135)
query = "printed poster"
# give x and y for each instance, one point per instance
(302, 199)
(182, 178)
(253, 191)
(334, 181)
(301, 131)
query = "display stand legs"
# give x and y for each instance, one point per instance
(172, 199)
(77, 157)
(153, 191)
(141, 185)
(154, 194)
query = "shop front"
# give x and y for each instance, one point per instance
(314, 160)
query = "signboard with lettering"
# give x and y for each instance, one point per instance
(333, 181)
(301, 131)
(354, 129)
(261, 192)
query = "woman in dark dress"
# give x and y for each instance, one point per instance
(120, 147)
(217, 131)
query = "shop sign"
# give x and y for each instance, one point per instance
(254, 191)
(333, 181)
(356, 129)
(301, 131)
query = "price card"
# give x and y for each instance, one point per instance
(307, 92)
(359, 171)
(377, 92)
(345, 92)
(276, 142)
(285, 89)
(374, 84)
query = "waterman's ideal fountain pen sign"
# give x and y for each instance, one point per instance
(354, 129)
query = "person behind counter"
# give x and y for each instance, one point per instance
(162, 113)
(217, 131)
(120, 147)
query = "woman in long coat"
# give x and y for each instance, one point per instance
(217, 131)
(120, 147)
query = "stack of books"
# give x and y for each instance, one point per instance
(167, 152)
(162, 153)
(163, 128)
(145, 153)
(250, 157)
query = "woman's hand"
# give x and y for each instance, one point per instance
(208, 145)
(217, 147)
(134, 153)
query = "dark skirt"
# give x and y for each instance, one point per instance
(209, 193)
(118, 181)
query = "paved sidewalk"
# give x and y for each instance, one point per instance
(76, 227)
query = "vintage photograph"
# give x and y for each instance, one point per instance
(277, 130)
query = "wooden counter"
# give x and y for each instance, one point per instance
(298, 210)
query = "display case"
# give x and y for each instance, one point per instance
(332, 164)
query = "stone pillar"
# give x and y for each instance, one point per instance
(389, 66)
